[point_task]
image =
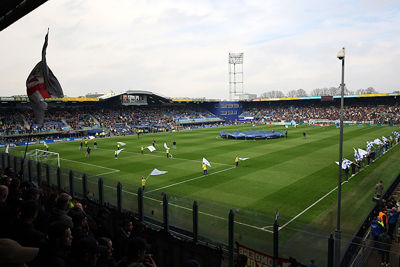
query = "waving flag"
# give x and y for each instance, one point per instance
(277, 215)
(151, 148)
(157, 172)
(121, 143)
(384, 139)
(7, 146)
(91, 137)
(44, 143)
(345, 163)
(370, 145)
(206, 162)
(362, 153)
(377, 141)
(391, 138)
(165, 146)
(118, 151)
(357, 157)
(40, 84)
(243, 158)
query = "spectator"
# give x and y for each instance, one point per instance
(379, 189)
(136, 255)
(85, 252)
(23, 231)
(385, 243)
(56, 252)
(105, 253)
(60, 211)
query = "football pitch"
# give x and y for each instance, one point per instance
(295, 175)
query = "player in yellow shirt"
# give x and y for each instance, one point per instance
(204, 169)
(142, 149)
(143, 182)
(237, 160)
(167, 151)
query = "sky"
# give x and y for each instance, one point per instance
(180, 48)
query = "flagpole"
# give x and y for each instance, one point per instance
(341, 56)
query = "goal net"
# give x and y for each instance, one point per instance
(51, 158)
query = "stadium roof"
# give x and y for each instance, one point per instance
(13, 10)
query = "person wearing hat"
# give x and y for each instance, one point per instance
(11, 252)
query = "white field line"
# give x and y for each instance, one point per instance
(327, 194)
(174, 158)
(104, 173)
(192, 179)
(115, 170)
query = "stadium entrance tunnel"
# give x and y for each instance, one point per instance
(255, 135)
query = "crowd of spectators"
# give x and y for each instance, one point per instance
(377, 114)
(53, 229)
(123, 121)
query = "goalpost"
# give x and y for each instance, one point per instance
(43, 155)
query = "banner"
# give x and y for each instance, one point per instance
(259, 259)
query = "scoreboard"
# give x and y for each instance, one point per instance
(133, 100)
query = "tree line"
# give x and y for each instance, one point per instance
(331, 91)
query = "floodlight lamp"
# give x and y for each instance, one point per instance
(340, 54)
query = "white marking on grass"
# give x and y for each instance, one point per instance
(175, 158)
(94, 165)
(192, 179)
(104, 173)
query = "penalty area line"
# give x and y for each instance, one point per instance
(192, 179)
(94, 165)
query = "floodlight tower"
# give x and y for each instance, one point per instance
(235, 74)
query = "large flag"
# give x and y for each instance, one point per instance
(118, 151)
(206, 162)
(384, 139)
(7, 146)
(121, 143)
(165, 146)
(151, 148)
(377, 141)
(345, 163)
(91, 137)
(40, 84)
(243, 158)
(157, 172)
(357, 157)
(44, 143)
(362, 153)
(370, 145)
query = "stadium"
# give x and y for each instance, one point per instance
(208, 180)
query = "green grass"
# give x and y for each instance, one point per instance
(287, 175)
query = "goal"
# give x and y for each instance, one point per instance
(48, 157)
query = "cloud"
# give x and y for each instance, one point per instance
(180, 48)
